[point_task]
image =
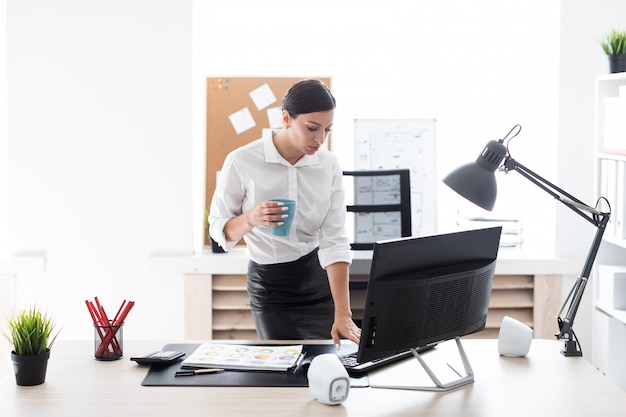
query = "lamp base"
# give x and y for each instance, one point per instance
(571, 348)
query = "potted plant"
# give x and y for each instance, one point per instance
(614, 45)
(215, 247)
(32, 333)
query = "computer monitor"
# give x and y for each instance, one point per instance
(426, 290)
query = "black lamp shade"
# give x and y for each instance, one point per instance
(476, 181)
(475, 184)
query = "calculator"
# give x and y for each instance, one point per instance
(160, 357)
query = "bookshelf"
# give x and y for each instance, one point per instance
(609, 317)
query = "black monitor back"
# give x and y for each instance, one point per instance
(426, 290)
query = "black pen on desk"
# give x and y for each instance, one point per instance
(193, 372)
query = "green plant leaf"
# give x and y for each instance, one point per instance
(614, 42)
(31, 331)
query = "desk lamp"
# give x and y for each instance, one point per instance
(477, 183)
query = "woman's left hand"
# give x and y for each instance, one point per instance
(345, 328)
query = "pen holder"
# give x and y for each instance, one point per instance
(108, 342)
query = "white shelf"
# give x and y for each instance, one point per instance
(621, 243)
(609, 324)
(615, 156)
(23, 265)
(236, 262)
(619, 315)
(618, 76)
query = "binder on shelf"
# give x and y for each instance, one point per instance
(614, 125)
(612, 286)
(608, 189)
(618, 206)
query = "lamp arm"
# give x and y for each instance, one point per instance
(567, 199)
(599, 220)
(566, 332)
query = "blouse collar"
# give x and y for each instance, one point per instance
(273, 156)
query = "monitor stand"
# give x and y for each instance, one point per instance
(439, 386)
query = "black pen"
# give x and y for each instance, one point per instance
(193, 372)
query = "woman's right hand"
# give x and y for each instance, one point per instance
(266, 213)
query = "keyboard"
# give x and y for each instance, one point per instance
(349, 360)
(352, 365)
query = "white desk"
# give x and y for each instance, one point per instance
(544, 383)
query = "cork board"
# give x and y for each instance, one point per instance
(238, 109)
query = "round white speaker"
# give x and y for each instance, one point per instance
(514, 338)
(328, 379)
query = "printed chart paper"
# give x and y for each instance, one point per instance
(244, 357)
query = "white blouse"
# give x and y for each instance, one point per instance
(256, 172)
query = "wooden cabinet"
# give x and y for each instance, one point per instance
(232, 318)
(217, 305)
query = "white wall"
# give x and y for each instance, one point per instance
(106, 118)
(99, 112)
(4, 143)
(583, 24)
(474, 66)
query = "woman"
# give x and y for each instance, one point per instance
(298, 284)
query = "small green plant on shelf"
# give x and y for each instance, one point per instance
(31, 331)
(614, 42)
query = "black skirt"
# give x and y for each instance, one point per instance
(291, 300)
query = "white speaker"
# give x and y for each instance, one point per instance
(514, 338)
(328, 379)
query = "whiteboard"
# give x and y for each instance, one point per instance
(403, 143)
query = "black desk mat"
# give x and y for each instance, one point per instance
(164, 375)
